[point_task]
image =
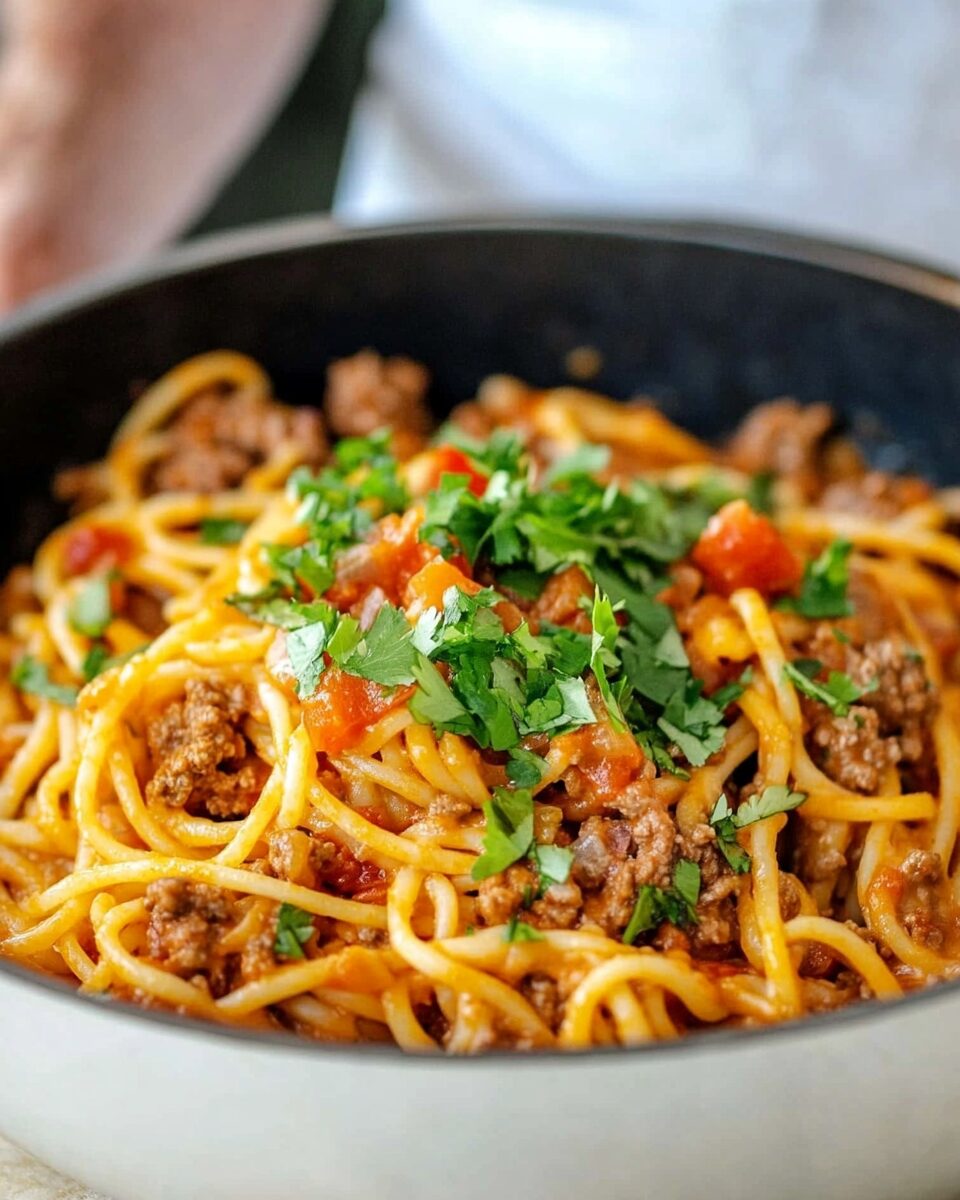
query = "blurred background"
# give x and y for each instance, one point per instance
(127, 124)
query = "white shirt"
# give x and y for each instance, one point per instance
(835, 116)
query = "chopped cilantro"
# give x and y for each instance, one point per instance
(553, 864)
(605, 633)
(520, 931)
(772, 800)
(823, 590)
(509, 832)
(586, 459)
(385, 653)
(305, 649)
(90, 610)
(273, 609)
(839, 691)
(676, 904)
(524, 768)
(32, 676)
(775, 799)
(294, 927)
(99, 659)
(222, 531)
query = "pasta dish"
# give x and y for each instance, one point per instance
(549, 727)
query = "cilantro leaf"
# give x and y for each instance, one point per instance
(586, 459)
(605, 634)
(32, 676)
(725, 828)
(385, 653)
(823, 590)
(222, 531)
(305, 649)
(553, 864)
(294, 928)
(839, 691)
(434, 703)
(676, 904)
(99, 659)
(524, 768)
(520, 931)
(686, 881)
(775, 799)
(90, 610)
(509, 831)
(271, 609)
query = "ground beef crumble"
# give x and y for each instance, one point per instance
(219, 437)
(202, 761)
(890, 725)
(366, 392)
(186, 922)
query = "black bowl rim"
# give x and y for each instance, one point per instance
(861, 262)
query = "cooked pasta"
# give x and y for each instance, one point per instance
(553, 728)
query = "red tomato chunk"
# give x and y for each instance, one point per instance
(741, 548)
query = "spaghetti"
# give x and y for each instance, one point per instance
(558, 728)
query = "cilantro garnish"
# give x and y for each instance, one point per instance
(677, 904)
(524, 768)
(222, 531)
(605, 633)
(337, 507)
(90, 610)
(587, 459)
(271, 608)
(32, 676)
(839, 691)
(99, 659)
(294, 927)
(823, 590)
(775, 799)
(509, 832)
(553, 864)
(509, 837)
(519, 931)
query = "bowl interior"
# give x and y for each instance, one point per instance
(708, 329)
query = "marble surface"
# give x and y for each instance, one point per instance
(23, 1178)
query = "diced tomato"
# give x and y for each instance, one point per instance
(425, 589)
(448, 460)
(346, 875)
(741, 548)
(387, 560)
(605, 762)
(344, 706)
(95, 546)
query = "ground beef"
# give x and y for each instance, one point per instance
(850, 749)
(889, 725)
(783, 437)
(366, 392)
(717, 923)
(818, 856)
(614, 858)
(218, 438)
(186, 921)
(927, 915)
(544, 994)
(202, 761)
(512, 894)
(875, 494)
(290, 856)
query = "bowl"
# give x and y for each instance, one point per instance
(708, 319)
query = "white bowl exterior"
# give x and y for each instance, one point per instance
(144, 1111)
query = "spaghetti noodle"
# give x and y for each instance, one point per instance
(558, 728)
